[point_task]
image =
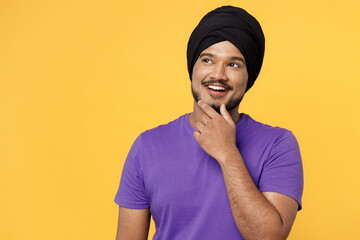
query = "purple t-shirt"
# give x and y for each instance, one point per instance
(167, 171)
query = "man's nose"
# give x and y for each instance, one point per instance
(219, 72)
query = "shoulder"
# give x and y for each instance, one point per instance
(254, 136)
(260, 130)
(278, 140)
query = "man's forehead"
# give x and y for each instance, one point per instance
(223, 49)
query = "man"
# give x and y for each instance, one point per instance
(214, 173)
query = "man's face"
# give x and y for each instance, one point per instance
(220, 76)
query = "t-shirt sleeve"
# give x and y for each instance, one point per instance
(283, 170)
(131, 192)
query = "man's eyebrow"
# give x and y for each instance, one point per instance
(231, 58)
(238, 58)
(206, 54)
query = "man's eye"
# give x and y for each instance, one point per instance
(206, 60)
(234, 65)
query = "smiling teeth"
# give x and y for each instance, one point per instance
(216, 88)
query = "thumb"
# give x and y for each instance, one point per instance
(226, 115)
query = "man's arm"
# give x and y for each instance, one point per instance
(257, 215)
(133, 224)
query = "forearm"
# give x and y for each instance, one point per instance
(255, 216)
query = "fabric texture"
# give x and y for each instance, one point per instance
(167, 171)
(232, 24)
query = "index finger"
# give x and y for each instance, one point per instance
(207, 109)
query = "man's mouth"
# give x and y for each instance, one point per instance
(217, 85)
(216, 89)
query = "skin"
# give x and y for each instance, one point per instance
(133, 224)
(266, 215)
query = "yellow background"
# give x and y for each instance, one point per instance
(79, 80)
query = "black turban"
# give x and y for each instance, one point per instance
(231, 24)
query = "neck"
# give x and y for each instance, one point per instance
(195, 116)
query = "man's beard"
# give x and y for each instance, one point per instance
(232, 104)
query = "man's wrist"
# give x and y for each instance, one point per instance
(231, 154)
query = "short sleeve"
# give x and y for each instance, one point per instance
(131, 192)
(283, 170)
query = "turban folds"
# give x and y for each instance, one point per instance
(231, 24)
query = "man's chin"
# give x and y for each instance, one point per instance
(216, 107)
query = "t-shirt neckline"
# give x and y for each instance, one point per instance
(192, 129)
